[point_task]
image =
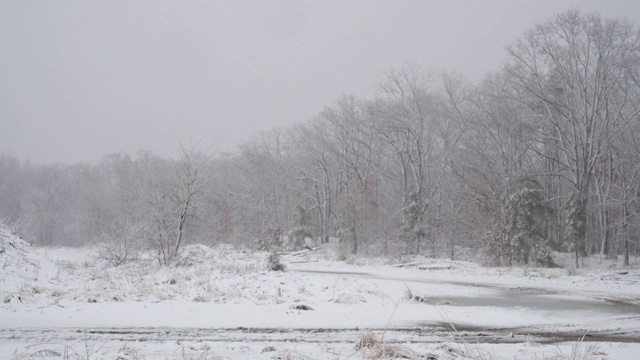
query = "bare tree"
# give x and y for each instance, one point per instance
(268, 197)
(404, 120)
(354, 149)
(190, 175)
(317, 168)
(577, 72)
(173, 197)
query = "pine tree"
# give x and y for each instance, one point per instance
(575, 226)
(527, 211)
(300, 232)
(413, 230)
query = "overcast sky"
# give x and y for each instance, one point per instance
(82, 79)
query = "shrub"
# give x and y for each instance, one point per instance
(119, 243)
(274, 262)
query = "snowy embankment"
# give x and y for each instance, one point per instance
(48, 295)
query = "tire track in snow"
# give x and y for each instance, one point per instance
(427, 333)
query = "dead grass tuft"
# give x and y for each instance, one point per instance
(371, 347)
(44, 354)
(572, 272)
(301, 307)
(128, 353)
(349, 299)
(288, 355)
(410, 296)
(201, 299)
(56, 293)
(184, 354)
(268, 349)
(579, 351)
(388, 351)
(368, 340)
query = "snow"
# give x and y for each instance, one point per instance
(225, 304)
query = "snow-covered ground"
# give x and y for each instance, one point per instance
(217, 304)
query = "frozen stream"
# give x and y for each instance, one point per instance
(614, 319)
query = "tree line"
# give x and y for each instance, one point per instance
(540, 156)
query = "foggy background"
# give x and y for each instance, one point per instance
(79, 80)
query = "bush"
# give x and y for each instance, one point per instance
(274, 262)
(120, 243)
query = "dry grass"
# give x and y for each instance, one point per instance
(371, 347)
(201, 299)
(289, 355)
(573, 272)
(473, 351)
(579, 351)
(269, 349)
(349, 299)
(410, 296)
(54, 351)
(388, 351)
(183, 354)
(408, 293)
(128, 353)
(367, 340)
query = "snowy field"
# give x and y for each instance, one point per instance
(63, 303)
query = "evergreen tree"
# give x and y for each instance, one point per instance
(413, 230)
(527, 211)
(300, 232)
(575, 227)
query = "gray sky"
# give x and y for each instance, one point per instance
(82, 79)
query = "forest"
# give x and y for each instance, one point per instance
(541, 156)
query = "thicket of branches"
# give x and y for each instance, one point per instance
(541, 156)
